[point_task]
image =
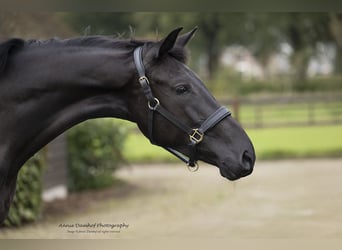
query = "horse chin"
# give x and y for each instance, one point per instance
(234, 172)
(230, 175)
(226, 170)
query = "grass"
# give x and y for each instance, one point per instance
(138, 148)
(271, 143)
(297, 142)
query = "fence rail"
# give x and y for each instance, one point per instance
(285, 111)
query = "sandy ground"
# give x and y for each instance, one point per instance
(281, 199)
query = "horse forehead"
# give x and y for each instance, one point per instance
(175, 70)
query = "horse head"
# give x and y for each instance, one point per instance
(181, 107)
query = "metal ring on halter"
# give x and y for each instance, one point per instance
(193, 169)
(157, 103)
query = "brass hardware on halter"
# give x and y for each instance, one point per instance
(144, 78)
(196, 136)
(156, 104)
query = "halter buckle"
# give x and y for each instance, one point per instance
(196, 136)
(144, 79)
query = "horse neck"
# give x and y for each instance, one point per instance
(46, 91)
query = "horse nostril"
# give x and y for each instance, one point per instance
(247, 161)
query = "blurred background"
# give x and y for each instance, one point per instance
(280, 74)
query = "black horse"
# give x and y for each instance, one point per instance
(48, 86)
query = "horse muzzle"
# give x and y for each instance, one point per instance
(236, 169)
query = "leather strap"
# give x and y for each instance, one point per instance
(143, 80)
(169, 116)
(214, 119)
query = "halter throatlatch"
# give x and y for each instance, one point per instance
(196, 135)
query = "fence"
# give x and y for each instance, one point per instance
(289, 110)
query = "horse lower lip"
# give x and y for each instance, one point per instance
(228, 174)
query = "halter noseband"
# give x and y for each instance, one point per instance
(196, 135)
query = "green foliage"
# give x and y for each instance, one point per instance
(94, 153)
(138, 149)
(27, 201)
(262, 33)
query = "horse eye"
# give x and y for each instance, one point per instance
(181, 89)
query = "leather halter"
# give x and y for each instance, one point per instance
(196, 135)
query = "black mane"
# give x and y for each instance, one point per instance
(108, 42)
(91, 41)
(14, 44)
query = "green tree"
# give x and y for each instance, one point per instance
(94, 153)
(215, 31)
(262, 33)
(302, 31)
(336, 31)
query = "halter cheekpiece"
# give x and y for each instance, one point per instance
(196, 135)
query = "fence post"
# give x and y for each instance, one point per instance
(258, 116)
(236, 108)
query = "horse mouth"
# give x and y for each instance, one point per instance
(232, 172)
(226, 173)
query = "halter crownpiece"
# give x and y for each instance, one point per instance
(196, 135)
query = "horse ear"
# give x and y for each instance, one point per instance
(183, 40)
(168, 42)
